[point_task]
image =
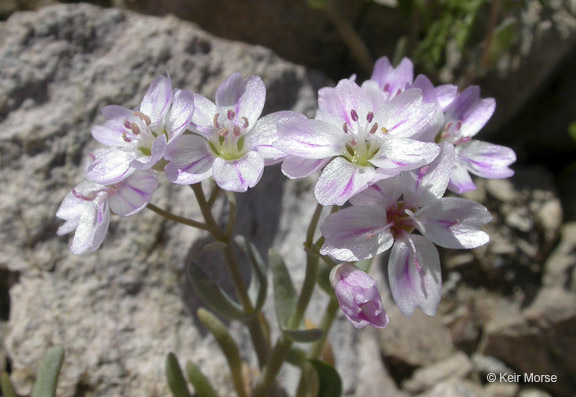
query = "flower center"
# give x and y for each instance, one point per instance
(399, 217)
(228, 141)
(451, 133)
(362, 146)
(140, 134)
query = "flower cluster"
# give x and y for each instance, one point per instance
(389, 149)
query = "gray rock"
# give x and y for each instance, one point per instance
(485, 365)
(502, 389)
(560, 267)
(455, 388)
(456, 366)
(539, 339)
(120, 310)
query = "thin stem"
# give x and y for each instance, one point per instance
(276, 358)
(179, 219)
(214, 195)
(254, 324)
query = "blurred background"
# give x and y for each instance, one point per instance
(508, 307)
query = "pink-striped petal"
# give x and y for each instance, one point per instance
(340, 180)
(238, 175)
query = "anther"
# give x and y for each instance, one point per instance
(127, 123)
(353, 142)
(354, 115)
(374, 128)
(370, 117)
(458, 125)
(230, 114)
(143, 117)
(216, 124)
(236, 130)
(246, 123)
(223, 132)
(135, 129)
(126, 139)
(345, 128)
(384, 130)
(448, 125)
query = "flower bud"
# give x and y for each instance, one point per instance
(358, 296)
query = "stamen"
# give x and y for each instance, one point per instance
(223, 132)
(127, 123)
(354, 115)
(374, 128)
(81, 196)
(236, 130)
(216, 124)
(353, 142)
(126, 139)
(384, 129)
(448, 125)
(230, 114)
(135, 129)
(345, 128)
(143, 117)
(458, 125)
(246, 123)
(370, 117)
(386, 87)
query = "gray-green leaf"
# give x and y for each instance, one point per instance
(201, 384)
(285, 296)
(175, 377)
(47, 376)
(329, 382)
(259, 283)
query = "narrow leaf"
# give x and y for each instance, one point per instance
(330, 384)
(324, 278)
(47, 376)
(303, 335)
(213, 296)
(259, 283)
(175, 377)
(296, 356)
(228, 347)
(6, 385)
(201, 384)
(285, 296)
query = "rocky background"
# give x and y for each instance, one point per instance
(509, 307)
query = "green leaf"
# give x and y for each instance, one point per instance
(303, 335)
(228, 347)
(296, 356)
(259, 283)
(330, 384)
(175, 377)
(285, 296)
(218, 300)
(47, 376)
(318, 4)
(201, 384)
(6, 385)
(324, 278)
(572, 131)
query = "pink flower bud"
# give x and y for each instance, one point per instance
(358, 296)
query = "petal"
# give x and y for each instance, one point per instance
(190, 159)
(204, 116)
(406, 115)
(134, 193)
(102, 223)
(460, 180)
(471, 110)
(340, 180)
(157, 101)
(455, 223)
(156, 153)
(429, 182)
(486, 159)
(238, 175)
(113, 112)
(180, 113)
(356, 233)
(393, 80)
(110, 134)
(340, 101)
(297, 167)
(404, 154)
(414, 275)
(311, 139)
(230, 91)
(384, 193)
(251, 102)
(446, 94)
(110, 166)
(92, 227)
(264, 134)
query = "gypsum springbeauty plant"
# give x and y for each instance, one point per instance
(390, 147)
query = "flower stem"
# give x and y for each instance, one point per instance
(278, 355)
(255, 324)
(179, 219)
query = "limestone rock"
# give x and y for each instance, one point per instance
(456, 366)
(120, 310)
